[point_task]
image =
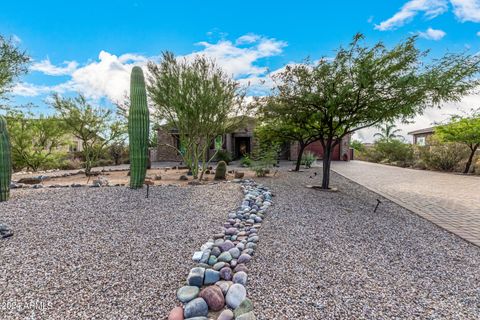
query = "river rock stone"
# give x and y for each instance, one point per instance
(212, 260)
(176, 314)
(227, 245)
(226, 315)
(219, 265)
(245, 307)
(235, 295)
(224, 257)
(195, 277)
(187, 293)
(196, 308)
(244, 258)
(226, 273)
(211, 276)
(240, 267)
(214, 298)
(246, 316)
(216, 251)
(240, 277)
(224, 286)
(234, 252)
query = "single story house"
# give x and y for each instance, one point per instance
(420, 136)
(241, 142)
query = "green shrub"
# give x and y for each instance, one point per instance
(393, 152)
(442, 156)
(265, 160)
(246, 161)
(308, 158)
(223, 155)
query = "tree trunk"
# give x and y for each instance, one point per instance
(299, 157)
(470, 159)
(327, 160)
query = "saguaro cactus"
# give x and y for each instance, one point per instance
(5, 161)
(138, 129)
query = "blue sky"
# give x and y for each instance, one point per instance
(90, 46)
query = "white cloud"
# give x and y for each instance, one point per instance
(430, 8)
(248, 38)
(241, 61)
(432, 34)
(478, 33)
(466, 10)
(46, 67)
(109, 75)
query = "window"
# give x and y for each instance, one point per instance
(421, 141)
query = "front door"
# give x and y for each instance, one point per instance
(242, 146)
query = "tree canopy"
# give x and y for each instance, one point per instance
(36, 140)
(95, 127)
(13, 63)
(363, 86)
(462, 129)
(197, 98)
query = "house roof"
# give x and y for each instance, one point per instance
(420, 131)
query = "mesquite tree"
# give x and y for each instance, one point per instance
(95, 127)
(199, 100)
(12, 64)
(465, 130)
(363, 86)
(286, 123)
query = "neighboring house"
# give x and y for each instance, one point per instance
(241, 142)
(420, 137)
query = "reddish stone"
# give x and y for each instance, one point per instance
(176, 314)
(240, 267)
(214, 297)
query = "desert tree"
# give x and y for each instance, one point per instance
(286, 123)
(36, 140)
(363, 86)
(13, 63)
(95, 127)
(199, 100)
(463, 129)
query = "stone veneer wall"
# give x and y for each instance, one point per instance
(166, 153)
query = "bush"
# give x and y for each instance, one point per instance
(442, 156)
(223, 155)
(265, 160)
(246, 161)
(393, 152)
(308, 158)
(72, 164)
(104, 163)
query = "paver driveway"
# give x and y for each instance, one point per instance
(449, 200)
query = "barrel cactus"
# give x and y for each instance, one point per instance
(138, 129)
(5, 161)
(221, 170)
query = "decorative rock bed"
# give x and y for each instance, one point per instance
(218, 282)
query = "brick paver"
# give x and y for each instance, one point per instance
(451, 201)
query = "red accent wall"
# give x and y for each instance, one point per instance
(317, 148)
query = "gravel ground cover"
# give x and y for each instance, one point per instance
(104, 253)
(326, 255)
